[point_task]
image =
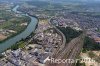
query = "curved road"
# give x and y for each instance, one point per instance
(63, 38)
(69, 51)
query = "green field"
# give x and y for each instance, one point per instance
(13, 22)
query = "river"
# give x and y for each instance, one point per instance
(30, 28)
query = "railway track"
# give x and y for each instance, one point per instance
(70, 50)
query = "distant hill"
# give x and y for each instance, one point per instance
(57, 1)
(74, 1)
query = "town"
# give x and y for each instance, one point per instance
(40, 30)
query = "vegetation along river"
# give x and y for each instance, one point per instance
(30, 28)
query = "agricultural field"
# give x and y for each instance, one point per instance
(12, 23)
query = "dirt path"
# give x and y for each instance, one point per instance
(2, 37)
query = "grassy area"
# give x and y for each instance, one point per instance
(89, 46)
(94, 56)
(98, 30)
(5, 25)
(20, 44)
(91, 54)
(6, 14)
(13, 22)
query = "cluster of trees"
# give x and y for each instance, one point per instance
(90, 44)
(20, 44)
(69, 33)
(80, 64)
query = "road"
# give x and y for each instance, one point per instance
(63, 39)
(68, 51)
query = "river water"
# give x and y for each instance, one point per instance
(30, 28)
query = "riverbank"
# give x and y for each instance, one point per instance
(12, 26)
(21, 30)
(18, 44)
(2, 37)
(21, 35)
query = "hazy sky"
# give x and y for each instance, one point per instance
(71, 0)
(68, 0)
(60, 0)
